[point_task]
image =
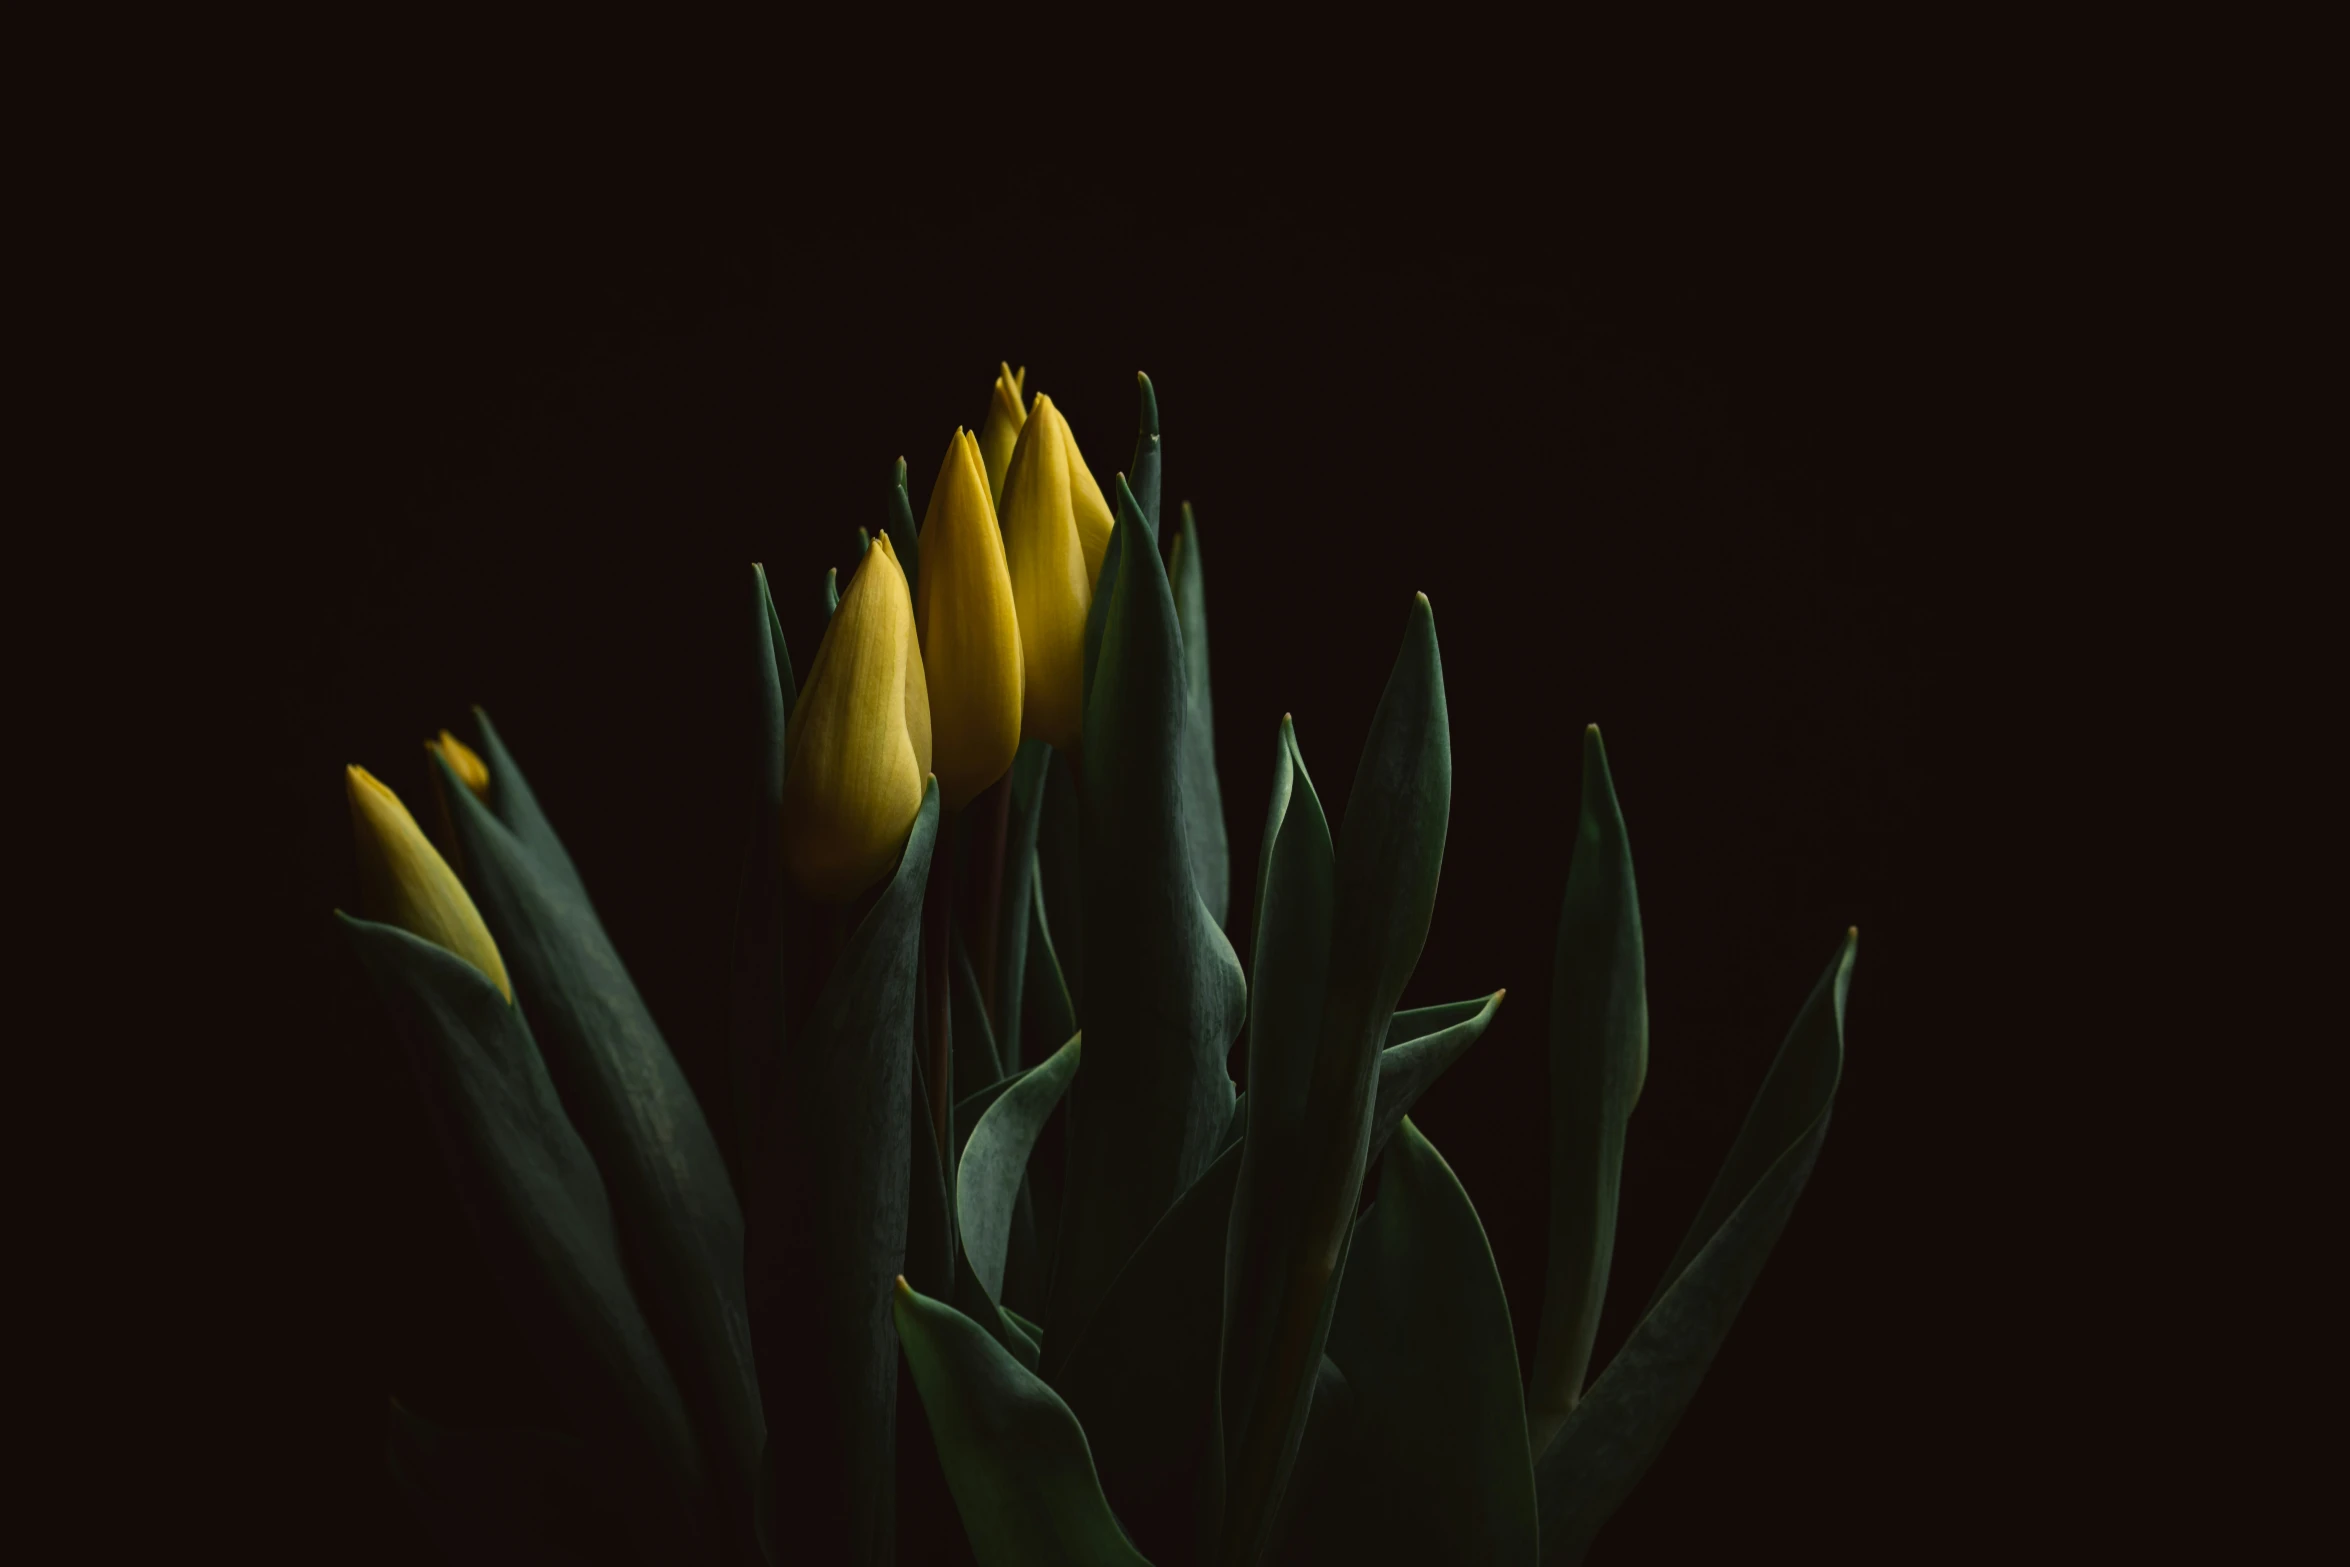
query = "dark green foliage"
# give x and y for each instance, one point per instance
(1165, 994)
(830, 1219)
(1015, 1457)
(1013, 916)
(1203, 797)
(900, 524)
(1389, 849)
(1617, 1430)
(1142, 473)
(540, 1212)
(1436, 1466)
(1598, 1059)
(670, 1191)
(996, 1158)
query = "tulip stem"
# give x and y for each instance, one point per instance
(991, 814)
(937, 935)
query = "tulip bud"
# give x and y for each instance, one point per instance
(1052, 582)
(857, 749)
(1093, 512)
(471, 771)
(1002, 430)
(404, 881)
(969, 629)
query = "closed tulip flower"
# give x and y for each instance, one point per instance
(1052, 575)
(857, 750)
(970, 632)
(464, 761)
(1005, 415)
(404, 881)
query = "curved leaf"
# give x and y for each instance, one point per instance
(1439, 1466)
(755, 1015)
(830, 1229)
(1614, 1434)
(1421, 1044)
(546, 1227)
(1013, 916)
(996, 1158)
(670, 1191)
(1014, 1455)
(1598, 1059)
(1143, 470)
(899, 509)
(1142, 1375)
(1203, 795)
(1390, 849)
(1152, 1093)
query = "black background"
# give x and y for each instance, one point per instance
(1701, 463)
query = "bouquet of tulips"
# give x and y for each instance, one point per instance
(980, 1114)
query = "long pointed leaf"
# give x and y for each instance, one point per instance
(540, 1213)
(1621, 1424)
(1203, 796)
(1390, 849)
(1440, 1465)
(829, 1231)
(1014, 1455)
(670, 1191)
(1421, 1043)
(899, 509)
(1152, 1095)
(755, 1016)
(1143, 470)
(1598, 1059)
(1029, 767)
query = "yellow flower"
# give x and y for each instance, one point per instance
(404, 881)
(468, 766)
(1052, 578)
(1093, 512)
(1004, 418)
(857, 750)
(970, 631)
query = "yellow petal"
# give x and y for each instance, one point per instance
(1052, 584)
(969, 630)
(856, 750)
(1093, 512)
(471, 771)
(404, 881)
(1002, 430)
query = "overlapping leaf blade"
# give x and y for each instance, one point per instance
(1389, 851)
(1598, 1060)
(546, 1227)
(1015, 1457)
(829, 1229)
(996, 1158)
(671, 1194)
(1440, 1469)
(1152, 1095)
(1617, 1429)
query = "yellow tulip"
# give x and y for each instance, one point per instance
(1052, 580)
(471, 771)
(970, 631)
(857, 749)
(404, 881)
(1093, 512)
(1002, 430)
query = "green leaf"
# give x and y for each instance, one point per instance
(1029, 768)
(1203, 796)
(1015, 1457)
(831, 591)
(1421, 1043)
(1440, 1468)
(1598, 1059)
(1296, 886)
(1152, 1094)
(546, 1227)
(996, 1158)
(930, 1215)
(670, 1191)
(1143, 471)
(1389, 851)
(900, 526)
(1142, 1374)
(1621, 1424)
(830, 1226)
